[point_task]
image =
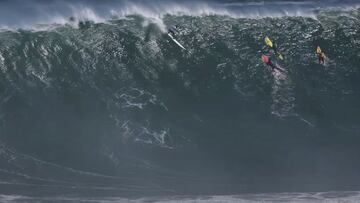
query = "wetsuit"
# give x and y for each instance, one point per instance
(172, 31)
(275, 49)
(321, 58)
(267, 61)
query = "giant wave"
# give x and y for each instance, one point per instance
(100, 102)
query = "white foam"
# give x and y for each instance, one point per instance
(61, 13)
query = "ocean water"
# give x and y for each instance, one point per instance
(98, 104)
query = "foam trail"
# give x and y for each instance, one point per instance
(282, 95)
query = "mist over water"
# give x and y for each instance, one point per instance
(27, 14)
(97, 103)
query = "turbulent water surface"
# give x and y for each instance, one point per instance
(97, 102)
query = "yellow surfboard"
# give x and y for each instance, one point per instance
(281, 56)
(268, 42)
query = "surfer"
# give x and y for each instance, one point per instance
(321, 55)
(173, 30)
(172, 34)
(273, 47)
(267, 61)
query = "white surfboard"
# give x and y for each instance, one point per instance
(178, 43)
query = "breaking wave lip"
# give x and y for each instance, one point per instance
(66, 13)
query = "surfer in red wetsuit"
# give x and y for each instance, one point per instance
(267, 61)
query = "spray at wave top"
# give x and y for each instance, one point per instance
(33, 13)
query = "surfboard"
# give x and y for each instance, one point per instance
(271, 45)
(280, 56)
(268, 42)
(176, 42)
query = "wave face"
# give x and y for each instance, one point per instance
(113, 107)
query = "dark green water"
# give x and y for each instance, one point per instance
(117, 109)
